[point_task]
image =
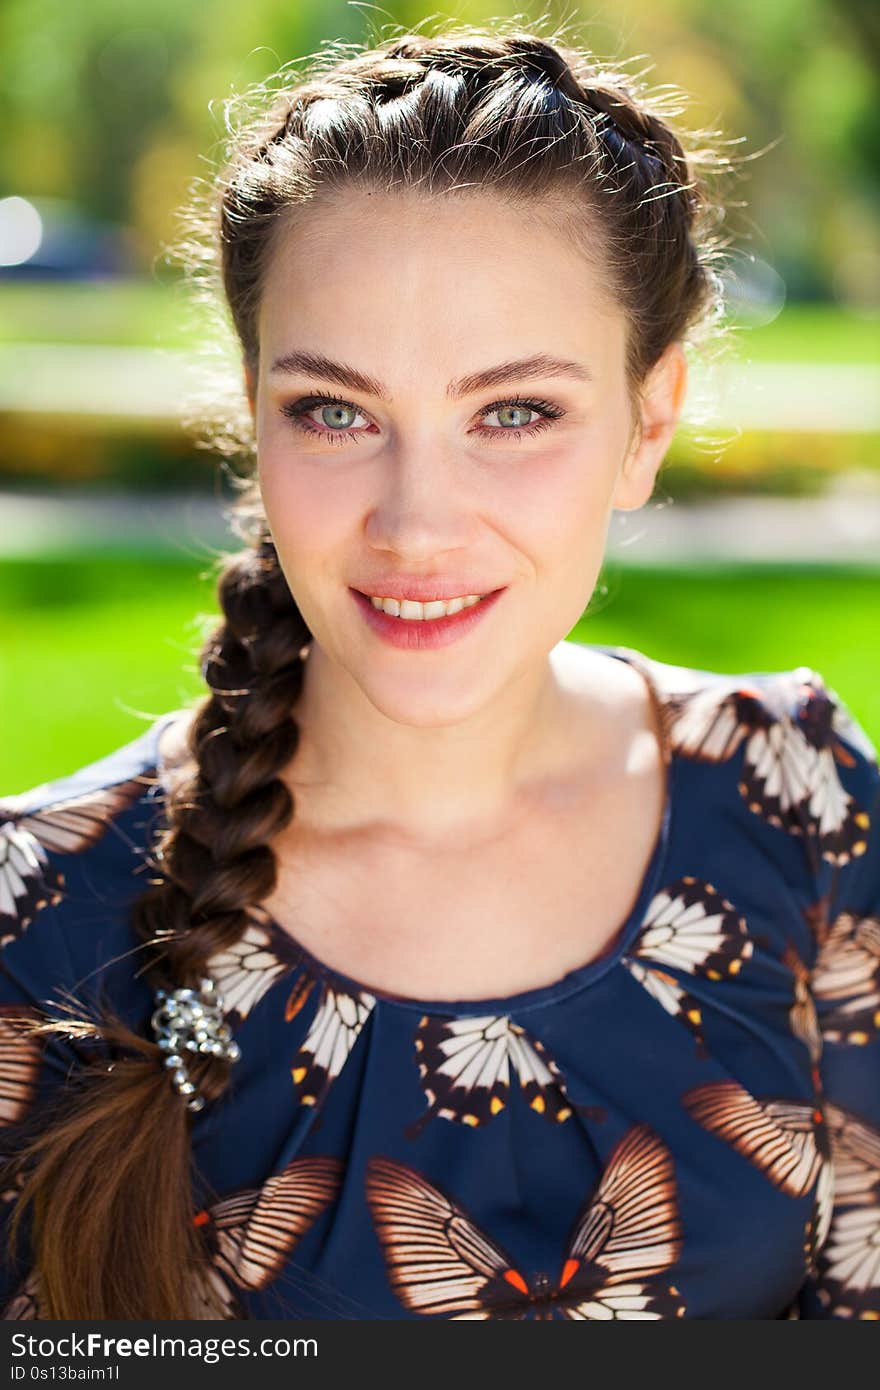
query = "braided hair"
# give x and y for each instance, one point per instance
(107, 1175)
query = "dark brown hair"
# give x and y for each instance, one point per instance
(106, 1173)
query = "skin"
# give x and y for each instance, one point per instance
(423, 746)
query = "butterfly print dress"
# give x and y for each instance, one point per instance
(685, 1126)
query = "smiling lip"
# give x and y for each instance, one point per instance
(423, 590)
(424, 634)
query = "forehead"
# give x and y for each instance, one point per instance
(410, 277)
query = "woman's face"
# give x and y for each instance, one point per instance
(414, 468)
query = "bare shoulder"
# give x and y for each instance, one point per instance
(618, 702)
(603, 678)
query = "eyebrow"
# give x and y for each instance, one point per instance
(542, 364)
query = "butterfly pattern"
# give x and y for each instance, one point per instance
(455, 1107)
(848, 1266)
(795, 731)
(846, 979)
(802, 1016)
(249, 968)
(465, 1067)
(28, 880)
(248, 1236)
(787, 1140)
(20, 1058)
(624, 1240)
(25, 1303)
(689, 928)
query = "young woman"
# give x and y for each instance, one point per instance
(433, 965)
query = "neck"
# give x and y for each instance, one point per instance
(356, 767)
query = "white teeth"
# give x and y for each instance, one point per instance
(409, 608)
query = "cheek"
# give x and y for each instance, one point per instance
(566, 532)
(564, 497)
(306, 507)
(553, 503)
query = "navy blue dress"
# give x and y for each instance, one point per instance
(686, 1126)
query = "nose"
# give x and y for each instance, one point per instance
(424, 505)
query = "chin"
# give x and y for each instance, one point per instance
(427, 702)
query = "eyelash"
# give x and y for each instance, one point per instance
(297, 411)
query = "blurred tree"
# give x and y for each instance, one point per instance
(88, 85)
(118, 106)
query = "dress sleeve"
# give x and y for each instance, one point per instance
(30, 1068)
(55, 926)
(845, 987)
(73, 857)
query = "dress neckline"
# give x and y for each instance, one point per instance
(538, 996)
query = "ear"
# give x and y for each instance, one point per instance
(662, 400)
(250, 386)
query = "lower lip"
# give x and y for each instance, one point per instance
(424, 634)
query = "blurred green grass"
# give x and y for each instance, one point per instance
(125, 313)
(155, 314)
(822, 333)
(94, 649)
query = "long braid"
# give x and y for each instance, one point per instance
(215, 862)
(215, 855)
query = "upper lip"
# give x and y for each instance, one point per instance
(422, 590)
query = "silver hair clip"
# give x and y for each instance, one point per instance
(191, 1020)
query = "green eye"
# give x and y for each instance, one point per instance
(337, 431)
